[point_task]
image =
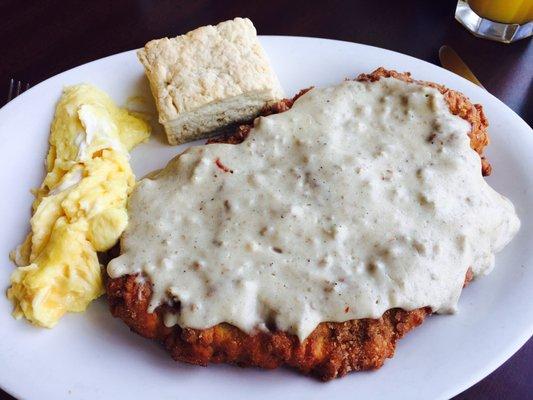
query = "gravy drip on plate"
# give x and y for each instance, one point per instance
(361, 198)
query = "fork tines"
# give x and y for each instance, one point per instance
(16, 88)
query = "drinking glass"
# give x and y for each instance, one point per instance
(501, 20)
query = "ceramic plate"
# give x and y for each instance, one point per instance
(94, 356)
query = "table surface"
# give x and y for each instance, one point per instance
(41, 39)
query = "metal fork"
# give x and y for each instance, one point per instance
(16, 88)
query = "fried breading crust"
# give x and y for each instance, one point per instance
(459, 105)
(334, 348)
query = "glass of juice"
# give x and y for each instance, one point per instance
(501, 20)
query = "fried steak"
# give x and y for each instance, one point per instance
(334, 348)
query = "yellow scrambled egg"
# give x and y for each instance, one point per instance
(80, 208)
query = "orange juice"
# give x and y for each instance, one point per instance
(505, 11)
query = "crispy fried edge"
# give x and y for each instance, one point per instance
(334, 348)
(458, 104)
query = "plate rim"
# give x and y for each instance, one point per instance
(477, 375)
(415, 59)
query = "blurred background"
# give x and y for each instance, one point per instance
(43, 38)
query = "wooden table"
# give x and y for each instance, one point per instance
(41, 39)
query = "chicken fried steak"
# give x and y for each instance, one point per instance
(333, 348)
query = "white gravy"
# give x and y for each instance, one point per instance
(361, 198)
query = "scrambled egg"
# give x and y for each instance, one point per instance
(80, 208)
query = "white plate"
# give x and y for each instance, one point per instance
(93, 356)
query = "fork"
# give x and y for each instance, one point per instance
(16, 88)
